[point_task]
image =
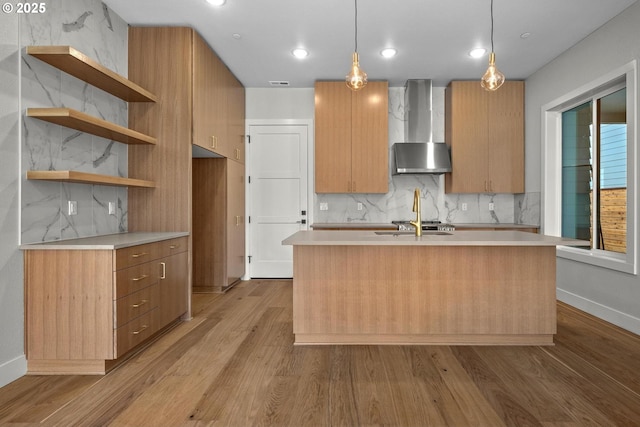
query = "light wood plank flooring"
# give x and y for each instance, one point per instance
(234, 365)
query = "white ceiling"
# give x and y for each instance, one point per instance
(432, 37)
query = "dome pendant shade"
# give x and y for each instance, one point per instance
(357, 79)
(492, 78)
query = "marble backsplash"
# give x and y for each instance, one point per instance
(436, 205)
(92, 28)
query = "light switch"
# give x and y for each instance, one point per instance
(112, 208)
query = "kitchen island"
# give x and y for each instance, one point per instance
(462, 287)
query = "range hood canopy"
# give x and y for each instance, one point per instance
(419, 154)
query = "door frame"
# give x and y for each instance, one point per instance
(310, 174)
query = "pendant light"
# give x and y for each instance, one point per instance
(492, 78)
(356, 79)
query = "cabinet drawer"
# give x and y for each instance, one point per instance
(133, 279)
(174, 246)
(136, 331)
(136, 304)
(134, 255)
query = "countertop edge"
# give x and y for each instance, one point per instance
(106, 242)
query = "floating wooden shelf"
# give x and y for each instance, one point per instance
(85, 123)
(88, 178)
(81, 66)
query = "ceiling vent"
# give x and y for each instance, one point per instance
(278, 83)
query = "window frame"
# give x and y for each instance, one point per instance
(551, 173)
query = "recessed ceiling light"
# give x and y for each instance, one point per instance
(388, 52)
(300, 53)
(217, 2)
(236, 36)
(525, 35)
(477, 52)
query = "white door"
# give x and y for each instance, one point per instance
(278, 196)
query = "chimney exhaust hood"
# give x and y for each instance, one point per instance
(419, 155)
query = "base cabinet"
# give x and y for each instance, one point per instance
(86, 309)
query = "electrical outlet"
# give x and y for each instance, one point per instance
(72, 208)
(491, 206)
(112, 208)
(359, 206)
(324, 206)
(464, 206)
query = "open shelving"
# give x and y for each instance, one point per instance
(88, 178)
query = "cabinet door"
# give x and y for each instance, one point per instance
(332, 137)
(506, 138)
(235, 221)
(174, 287)
(466, 132)
(209, 98)
(236, 105)
(369, 139)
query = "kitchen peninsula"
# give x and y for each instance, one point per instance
(462, 287)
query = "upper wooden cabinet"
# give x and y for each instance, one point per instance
(485, 131)
(218, 104)
(351, 138)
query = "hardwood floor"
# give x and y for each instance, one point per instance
(234, 365)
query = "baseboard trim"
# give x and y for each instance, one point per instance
(12, 370)
(618, 318)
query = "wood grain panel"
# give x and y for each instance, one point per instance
(370, 139)
(332, 137)
(160, 59)
(352, 291)
(209, 224)
(68, 313)
(466, 132)
(506, 138)
(235, 222)
(174, 292)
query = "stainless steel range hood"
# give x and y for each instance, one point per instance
(419, 154)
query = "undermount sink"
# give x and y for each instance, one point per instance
(410, 233)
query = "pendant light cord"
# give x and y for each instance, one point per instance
(356, 34)
(491, 25)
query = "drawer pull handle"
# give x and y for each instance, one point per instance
(174, 246)
(140, 304)
(139, 255)
(140, 330)
(163, 275)
(137, 279)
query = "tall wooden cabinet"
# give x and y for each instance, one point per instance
(201, 105)
(485, 131)
(218, 224)
(351, 138)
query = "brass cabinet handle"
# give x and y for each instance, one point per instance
(237, 154)
(174, 246)
(214, 141)
(140, 304)
(237, 220)
(137, 279)
(163, 275)
(140, 330)
(139, 255)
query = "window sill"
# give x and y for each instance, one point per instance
(595, 257)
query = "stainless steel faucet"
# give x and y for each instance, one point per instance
(416, 208)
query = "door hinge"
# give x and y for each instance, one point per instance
(249, 139)
(249, 259)
(249, 179)
(249, 219)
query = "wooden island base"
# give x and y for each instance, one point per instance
(441, 295)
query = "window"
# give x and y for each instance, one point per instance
(589, 161)
(594, 171)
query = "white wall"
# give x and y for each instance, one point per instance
(605, 293)
(12, 361)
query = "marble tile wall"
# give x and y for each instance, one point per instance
(92, 28)
(436, 205)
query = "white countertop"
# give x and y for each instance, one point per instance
(388, 225)
(109, 241)
(455, 238)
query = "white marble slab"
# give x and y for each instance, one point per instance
(454, 238)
